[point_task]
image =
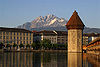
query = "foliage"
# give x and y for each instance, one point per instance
(21, 45)
(38, 45)
(1, 45)
(55, 46)
(8, 45)
(66, 46)
(46, 44)
(27, 45)
(34, 45)
(14, 45)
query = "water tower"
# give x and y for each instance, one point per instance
(75, 28)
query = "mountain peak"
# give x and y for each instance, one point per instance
(45, 21)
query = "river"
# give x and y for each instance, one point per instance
(48, 59)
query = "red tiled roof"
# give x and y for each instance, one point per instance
(97, 39)
(46, 32)
(34, 31)
(75, 22)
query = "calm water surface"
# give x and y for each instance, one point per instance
(48, 59)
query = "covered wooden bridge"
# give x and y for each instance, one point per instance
(94, 46)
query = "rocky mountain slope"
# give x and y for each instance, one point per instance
(51, 22)
(46, 21)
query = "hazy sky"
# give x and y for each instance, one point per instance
(17, 12)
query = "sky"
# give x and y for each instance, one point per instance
(17, 12)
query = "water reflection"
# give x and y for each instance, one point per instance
(48, 59)
(30, 59)
(74, 59)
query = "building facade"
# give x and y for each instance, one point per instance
(56, 37)
(87, 38)
(15, 35)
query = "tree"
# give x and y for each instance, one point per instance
(27, 45)
(55, 46)
(34, 45)
(46, 43)
(66, 46)
(1, 45)
(14, 45)
(8, 45)
(38, 45)
(21, 45)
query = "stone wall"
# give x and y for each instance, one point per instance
(74, 40)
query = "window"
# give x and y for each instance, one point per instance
(20, 42)
(7, 33)
(7, 37)
(14, 37)
(62, 39)
(30, 34)
(24, 38)
(20, 37)
(17, 37)
(3, 33)
(3, 37)
(24, 34)
(27, 38)
(27, 34)
(17, 33)
(14, 33)
(10, 33)
(10, 37)
(14, 42)
(27, 42)
(17, 42)
(24, 42)
(10, 41)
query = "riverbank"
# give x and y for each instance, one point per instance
(33, 50)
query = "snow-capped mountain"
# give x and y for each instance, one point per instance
(46, 21)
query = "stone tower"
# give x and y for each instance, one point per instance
(75, 28)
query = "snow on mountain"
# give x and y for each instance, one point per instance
(46, 21)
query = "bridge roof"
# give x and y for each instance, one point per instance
(97, 39)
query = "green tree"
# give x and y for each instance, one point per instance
(66, 46)
(1, 45)
(14, 45)
(46, 43)
(8, 45)
(21, 45)
(38, 45)
(33, 45)
(55, 46)
(27, 45)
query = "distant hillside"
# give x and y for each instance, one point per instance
(91, 30)
(51, 22)
(63, 28)
(46, 21)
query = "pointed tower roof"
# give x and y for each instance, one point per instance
(75, 22)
